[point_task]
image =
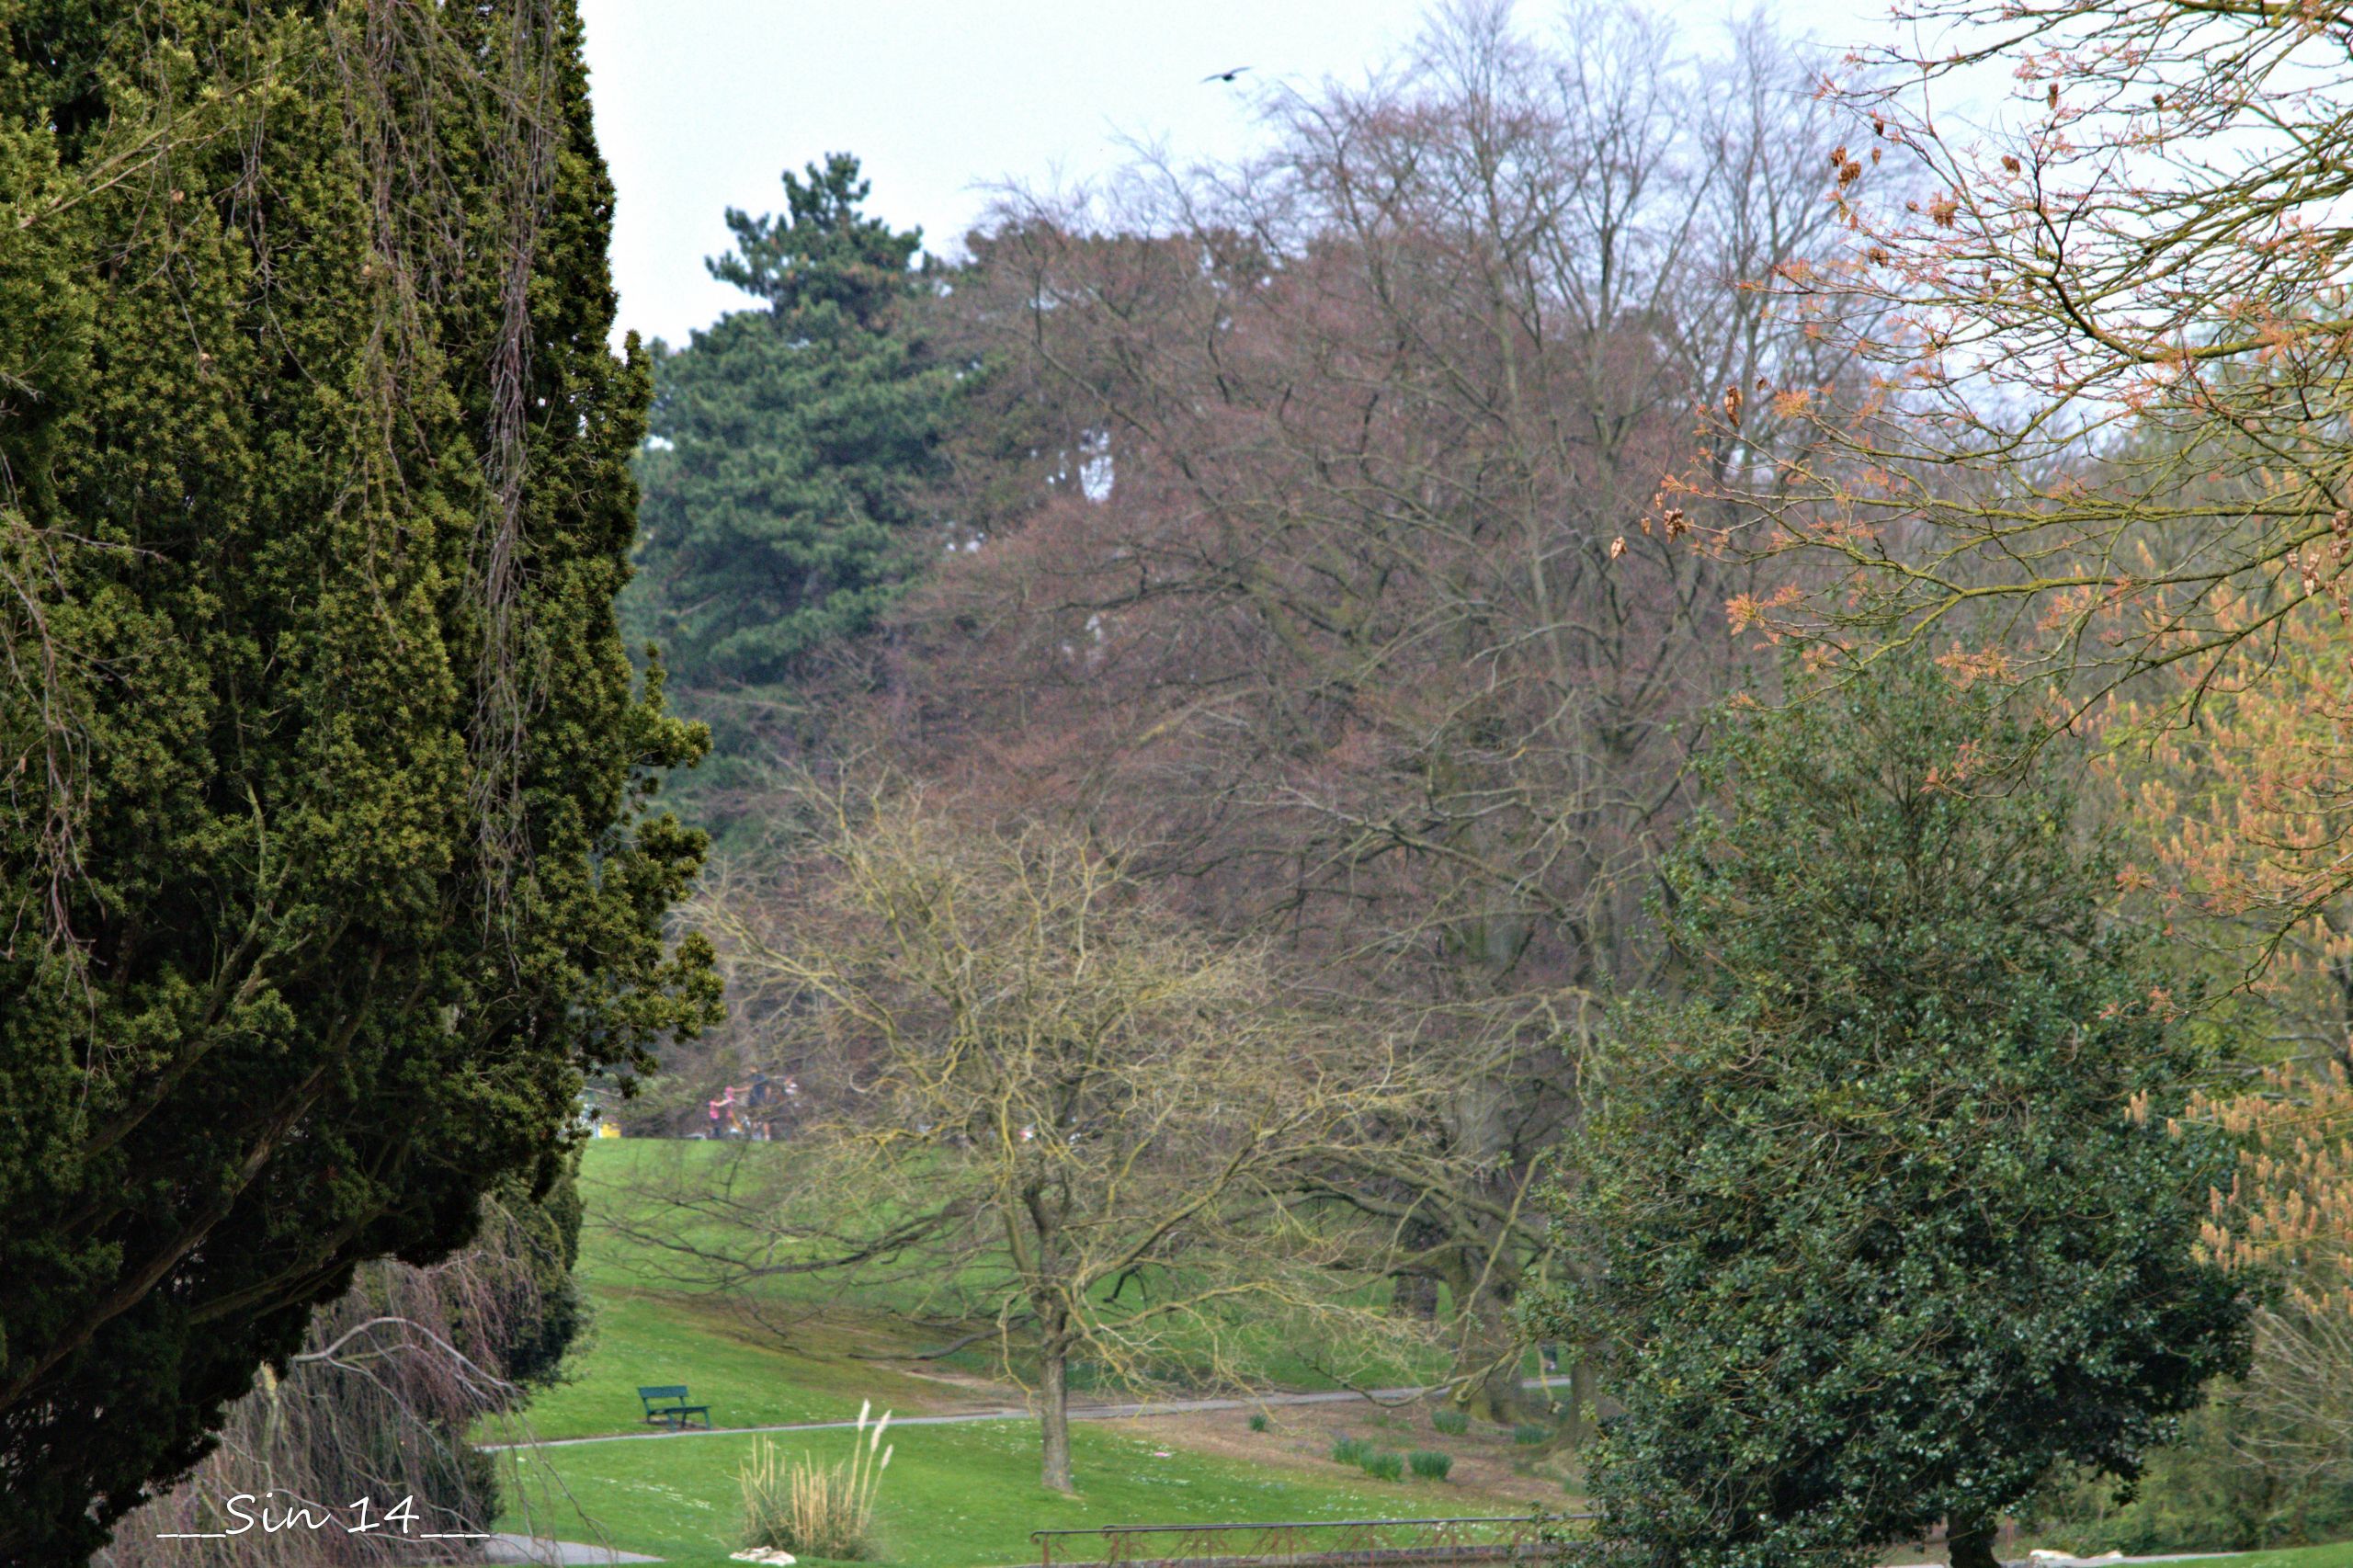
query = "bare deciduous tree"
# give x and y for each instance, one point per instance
(1049, 1112)
(1358, 609)
(2106, 428)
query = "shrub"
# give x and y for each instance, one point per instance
(1936, 964)
(813, 1510)
(1430, 1464)
(1258, 1421)
(1351, 1450)
(1383, 1467)
(1450, 1421)
(1530, 1433)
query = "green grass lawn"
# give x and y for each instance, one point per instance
(632, 1184)
(746, 1378)
(2337, 1555)
(954, 1497)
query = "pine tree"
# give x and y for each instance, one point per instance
(789, 443)
(323, 873)
(1886, 1221)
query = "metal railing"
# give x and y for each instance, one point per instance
(1311, 1543)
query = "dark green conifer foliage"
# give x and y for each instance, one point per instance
(323, 875)
(791, 443)
(1886, 1221)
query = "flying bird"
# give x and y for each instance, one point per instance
(1225, 75)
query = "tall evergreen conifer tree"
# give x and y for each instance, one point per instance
(789, 442)
(1887, 1220)
(322, 872)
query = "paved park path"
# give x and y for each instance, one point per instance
(1078, 1413)
(538, 1549)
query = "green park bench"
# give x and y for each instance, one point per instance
(667, 1406)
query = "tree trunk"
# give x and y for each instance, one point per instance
(1417, 1296)
(1053, 1397)
(1969, 1543)
(1576, 1423)
(1497, 1394)
(1491, 1345)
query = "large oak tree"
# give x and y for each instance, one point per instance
(1338, 600)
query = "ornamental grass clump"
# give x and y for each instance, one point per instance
(1429, 1463)
(1528, 1434)
(1451, 1421)
(1351, 1450)
(813, 1510)
(1383, 1467)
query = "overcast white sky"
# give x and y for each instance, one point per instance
(702, 102)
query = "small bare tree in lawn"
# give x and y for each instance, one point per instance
(1050, 1112)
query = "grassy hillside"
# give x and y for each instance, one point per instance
(745, 1377)
(632, 1186)
(954, 1495)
